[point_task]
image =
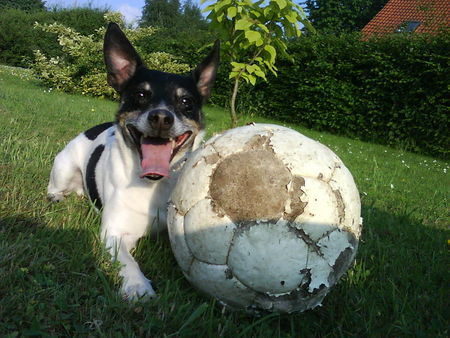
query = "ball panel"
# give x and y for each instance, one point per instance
(334, 243)
(175, 226)
(268, 257)
(207, 234)
(320, 213)
(339, 250)
(319, 270)
(302, 155)
(240, 183)
(216, 281)
(345, 190)
(239, 139)
(195, 179)
(342, 263)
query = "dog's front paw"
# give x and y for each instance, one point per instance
(137, 288)
(55, 197)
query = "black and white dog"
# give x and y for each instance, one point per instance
(129, 167)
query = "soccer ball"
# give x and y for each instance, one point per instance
(264, 218)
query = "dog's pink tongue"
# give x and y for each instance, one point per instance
(155, 157)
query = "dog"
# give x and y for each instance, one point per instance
(129, 167)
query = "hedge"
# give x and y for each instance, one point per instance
(392, 90)
(18, 38)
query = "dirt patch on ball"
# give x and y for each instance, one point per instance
(297, 205)
(251, 185)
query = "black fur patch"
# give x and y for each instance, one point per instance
(93, 132)
(91, 184)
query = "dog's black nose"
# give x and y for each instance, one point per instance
(160, 119)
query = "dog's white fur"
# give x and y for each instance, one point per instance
(133, 206)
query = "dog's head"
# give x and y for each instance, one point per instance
(160, 113)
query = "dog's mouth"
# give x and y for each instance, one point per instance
(157, 152)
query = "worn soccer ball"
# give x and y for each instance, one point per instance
(264, 218)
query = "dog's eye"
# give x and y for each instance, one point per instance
(141, 95)
(187, 102)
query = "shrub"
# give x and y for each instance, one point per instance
(392, 90)
(81, 69)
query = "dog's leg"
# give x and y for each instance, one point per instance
(120, 232)
(134, 284)
(65, 177)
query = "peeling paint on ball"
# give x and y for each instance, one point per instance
(265, 219)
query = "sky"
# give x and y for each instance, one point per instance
(131, 9)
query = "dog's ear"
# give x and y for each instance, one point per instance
(121, 58)
(205, 73)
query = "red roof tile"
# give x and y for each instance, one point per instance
(433, 15)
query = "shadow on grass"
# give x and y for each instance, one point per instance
(53, 280)
(57, 282)
(398, 286)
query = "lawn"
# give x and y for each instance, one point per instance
(56, 280)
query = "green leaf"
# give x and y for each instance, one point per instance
(281, 3)
(271, 50)
(231, 13)
(242, 24)
(237, 66)
(249, 78)
(233, 75)
(292, 18)
(252, 36)
(252, 69)
(256, 14)
(263, 27)
(252, 79)
(220, 4)
(255, 69)
(245, 77)
(268, 12)
(261, 74)
(271, 67)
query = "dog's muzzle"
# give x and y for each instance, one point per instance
(157, 146)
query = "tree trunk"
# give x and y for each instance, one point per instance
(234, 119)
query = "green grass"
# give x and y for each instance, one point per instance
(56, 280)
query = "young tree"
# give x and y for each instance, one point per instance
(339, 16)
(253, 34)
